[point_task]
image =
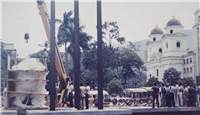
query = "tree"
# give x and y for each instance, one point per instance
(188, 80)
(38, 54)
(129, 61)
(115, 87)
(91, 78)
(111, 29)
(171, 75)
(139, 79)
(133, 46)
(151, 81)
(110, 60)
(66, 35)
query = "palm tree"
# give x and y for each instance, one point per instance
(66, 35)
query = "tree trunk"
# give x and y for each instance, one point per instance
(66, 60)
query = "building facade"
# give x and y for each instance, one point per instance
(169, 49)
(196, 44)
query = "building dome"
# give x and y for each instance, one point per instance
(157, 30)
(174, 22)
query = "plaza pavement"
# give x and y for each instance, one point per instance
(111, 111)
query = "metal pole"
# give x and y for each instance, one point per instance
(99, 56)
(52, 58)
(76, 53)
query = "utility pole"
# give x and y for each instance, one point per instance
(76, 53)
(99, 56)
(52, 71)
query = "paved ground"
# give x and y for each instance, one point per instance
(111, 111)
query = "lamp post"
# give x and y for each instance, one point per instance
(99, 56)
(52, 71)
(76, 53)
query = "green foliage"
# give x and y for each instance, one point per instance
(110, 74)
(171, 75)
(133, 46)
(129, 61)
(111, 29)
(115, 87)
(151, 81)
(38, 54)
(110, 61)
(188, 80)
(110, 57)
(139, 79)
(91, 78)
(66, 35)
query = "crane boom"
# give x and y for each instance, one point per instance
(58, 61)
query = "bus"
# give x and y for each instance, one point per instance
(136, 93)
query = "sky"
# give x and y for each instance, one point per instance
(135, 19)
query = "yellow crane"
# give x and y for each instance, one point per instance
(64, 80)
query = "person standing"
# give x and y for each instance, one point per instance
(87, 90)
(56, 95)
(191, 91)
(198, 95)
(180, 94)
(155, 95)
(176, 94)
(167, 95)
(82, 95)
(44, 58)
(163, 95)
(159, 95)
(14, 55)
(171, 95)
(185, 94)
(70, 94)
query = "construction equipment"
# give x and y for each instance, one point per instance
(64, 80)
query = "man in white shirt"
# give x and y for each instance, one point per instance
(87, 90)
(82, 95)
(180, 94)
(176, 94)
(159, 95)
(185, 94)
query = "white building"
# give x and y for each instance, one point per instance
(197, 44)
(169, 49)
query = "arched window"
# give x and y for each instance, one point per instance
(166, 44)
(171, 31)
(160, 50)
(154, 39)
(178, 45)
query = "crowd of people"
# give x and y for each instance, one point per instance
(131, 103)
(169, 95)
(176, 94)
